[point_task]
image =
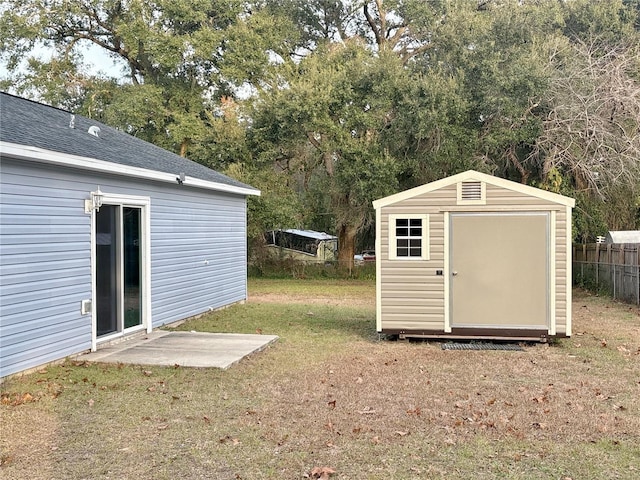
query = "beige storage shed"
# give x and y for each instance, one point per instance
(474, 256)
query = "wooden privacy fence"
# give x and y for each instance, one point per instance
(614, 268)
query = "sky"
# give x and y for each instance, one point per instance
(96, 59)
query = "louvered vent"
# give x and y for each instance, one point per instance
(471, 191)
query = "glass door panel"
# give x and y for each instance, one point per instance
(106, 270)
(131, 266)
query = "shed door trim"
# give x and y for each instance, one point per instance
(496, 285)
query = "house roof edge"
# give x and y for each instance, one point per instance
(36, 154)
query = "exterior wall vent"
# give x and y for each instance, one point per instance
(471, 192)
(94, 130)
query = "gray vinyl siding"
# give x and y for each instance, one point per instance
(45, 256)
(412, 295)
(45, 267)
(198, 254)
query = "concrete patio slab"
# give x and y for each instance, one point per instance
(187, 349)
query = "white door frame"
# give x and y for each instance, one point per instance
(144, 203)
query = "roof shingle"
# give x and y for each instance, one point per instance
(25, 122)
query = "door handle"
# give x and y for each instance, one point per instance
(454, 273)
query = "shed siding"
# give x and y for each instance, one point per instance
(45, 256)
(412, 295)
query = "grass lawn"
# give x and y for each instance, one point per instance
(330, 394)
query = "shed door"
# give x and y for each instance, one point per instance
(499, 270)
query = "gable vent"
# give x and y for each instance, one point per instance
(471, 191)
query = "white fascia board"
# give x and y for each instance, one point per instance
(473, 175)
(24, 152)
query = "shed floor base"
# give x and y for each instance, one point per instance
(475, 334)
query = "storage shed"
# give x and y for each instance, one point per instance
(103, 235)
(622, 236)
(474, 256)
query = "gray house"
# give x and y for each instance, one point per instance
(103, 235)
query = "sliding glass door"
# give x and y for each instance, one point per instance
(118, 263)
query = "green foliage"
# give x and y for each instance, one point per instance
(277, 207)
(327, 105)
(324, 129)
(287, 268)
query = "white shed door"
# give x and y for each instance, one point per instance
(499, 270)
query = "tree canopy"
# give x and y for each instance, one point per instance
(329, 104)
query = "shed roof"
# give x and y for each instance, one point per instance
(311, 234)
(623, 236)
(38, 132)
(472, 175)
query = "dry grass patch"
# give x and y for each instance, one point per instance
(330, 394)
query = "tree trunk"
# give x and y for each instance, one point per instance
(346, 246)
(183, 147)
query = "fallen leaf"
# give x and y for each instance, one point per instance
(321, 473)
(91, 402)
(228, 438)
(206, 419)
(367, 411)
(259, 331)
(147, 373)
(332, 404)
(375, 439)
(603, 342)
(400, 433)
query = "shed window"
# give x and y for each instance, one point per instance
(408, 237)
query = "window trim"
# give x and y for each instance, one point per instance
(393, 246)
